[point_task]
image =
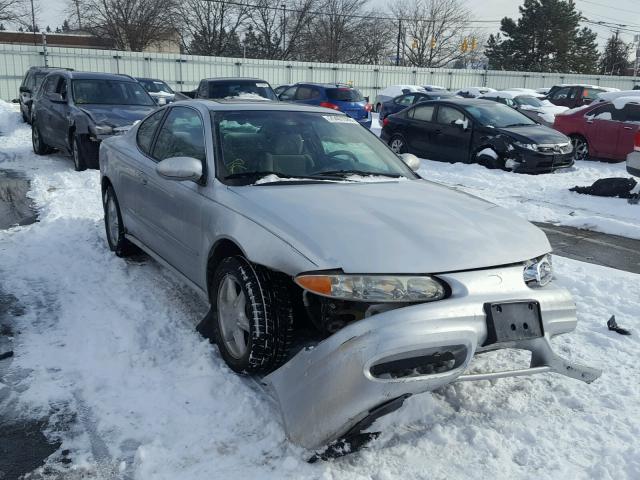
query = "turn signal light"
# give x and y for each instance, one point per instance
(385, 121)
(330, 105)
(636, 147)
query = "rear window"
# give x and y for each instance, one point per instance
(344, 95)
(248, 90)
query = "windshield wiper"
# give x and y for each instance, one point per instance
(520, 125)
(265, 173)
(363, 173)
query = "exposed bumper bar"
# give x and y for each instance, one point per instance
(326, 390)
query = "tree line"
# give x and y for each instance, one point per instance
(548, 36)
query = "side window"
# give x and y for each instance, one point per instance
(449, 115)
(315, 93)
(424, 113)
(304, 93)
(203, 90)
(62, 87)
(632, 113)
(562, 93)
(289, 93)
(606, 112)
(30, 81)
(405, 100)
(146, 131)
(591, 93)
(50, 86)
(181, 135)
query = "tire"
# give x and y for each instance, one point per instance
(25, 119)
(580, 147)
(252, 316)
(114, 226)
(38, 144)
(490, 162)
(398, 144)
(80, 152)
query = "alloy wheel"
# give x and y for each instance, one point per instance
(397, 145)
(232, 317)
(580, 148)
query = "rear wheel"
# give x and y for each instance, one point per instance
(253, 316)
(78, 153)
(114, 225)
(580, 147)
(397, 144)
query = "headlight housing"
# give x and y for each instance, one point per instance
(528, 146)
(374, 288)
(538, 272)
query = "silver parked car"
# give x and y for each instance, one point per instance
(329, 265)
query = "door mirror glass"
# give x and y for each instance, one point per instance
(25, 90)
(411, 161)
(180, 169)
(56, 98)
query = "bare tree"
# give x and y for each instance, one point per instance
(10, 10)
(211, 28)
(434, 31)
(130, 24)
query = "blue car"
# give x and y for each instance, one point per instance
(408, 99)
(331, 95)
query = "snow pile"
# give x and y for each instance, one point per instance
(621, 102)
(9, 121)
(545, 198)
(608, 96)
(109, 345)
(248, 96)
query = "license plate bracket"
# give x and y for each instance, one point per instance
(513, 321)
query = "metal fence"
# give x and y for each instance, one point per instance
(183, 72)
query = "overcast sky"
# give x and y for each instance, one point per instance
(626, 12)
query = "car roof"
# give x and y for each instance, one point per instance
(150, 79)
(234, 79)
(463, 102)
(96, 76)
(326, 85)
(241, 104)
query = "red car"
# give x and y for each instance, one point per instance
(601, 130)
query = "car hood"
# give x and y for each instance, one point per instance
(116, 115)
(538, 134)
(390, 227)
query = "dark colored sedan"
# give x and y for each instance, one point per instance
(405, 101)
(74, 111)
(477, 131)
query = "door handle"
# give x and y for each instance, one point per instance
(437, 132)
(628, 128)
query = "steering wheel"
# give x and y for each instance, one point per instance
(349, 154)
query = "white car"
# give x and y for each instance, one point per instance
(542, 111)
(474, 92)
(394, 91)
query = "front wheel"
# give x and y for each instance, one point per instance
(253, 316)
(39, 146)
(580, 147)
(398, 144)
(114, 225)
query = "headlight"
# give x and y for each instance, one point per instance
(528, 146)
(538, 272)
(103, 129)
(374, 288)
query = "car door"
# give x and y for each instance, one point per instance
(171, 211)
(44, 110)
(452, 136)
(307, 94)
(59, 115)
(628, 130)
(289, 94)
(420, 129)
(603, 126)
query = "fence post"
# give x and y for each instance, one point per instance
(450, 80)
(289, 73)
(117, 58)
(179, 62)
(147, 66)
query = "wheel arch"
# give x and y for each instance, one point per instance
(221, 249)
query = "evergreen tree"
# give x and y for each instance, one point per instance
(2, 27)
(546, 38)
(615, 59)
(48, 29)
(65, 26)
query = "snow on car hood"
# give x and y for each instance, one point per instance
(391, 227)
(116, 115)
(538, 134)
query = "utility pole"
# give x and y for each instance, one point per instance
(33, 23)
(398, 43)
(284, 28)
(44, 49)
(77, 2)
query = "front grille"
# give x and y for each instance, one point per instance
(556, 149)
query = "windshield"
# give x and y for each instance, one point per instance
(498, 115)
(155, 86)
(303, 145)
(530, 101)
(344, 95)
(232, 89)
(109, 92)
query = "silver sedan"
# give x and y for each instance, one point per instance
(330, 266)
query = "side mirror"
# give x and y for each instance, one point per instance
(411, 161)
(15, 100)
(25, 90)
(56, 98)
(180, 169)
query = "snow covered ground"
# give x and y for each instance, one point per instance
(107, 351)
(544, 198)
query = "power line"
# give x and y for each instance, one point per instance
(637, 12)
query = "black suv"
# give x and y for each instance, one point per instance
(245, 88)
(29, 86)
(74, 111)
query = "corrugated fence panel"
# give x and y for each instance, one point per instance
(183, 72)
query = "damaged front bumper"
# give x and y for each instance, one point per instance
(328, 390)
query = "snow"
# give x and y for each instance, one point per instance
(248, 96)
(110, 346)
(609, 96)
(395, 90)
(489, 152)
(475, 91)
(622, 102)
